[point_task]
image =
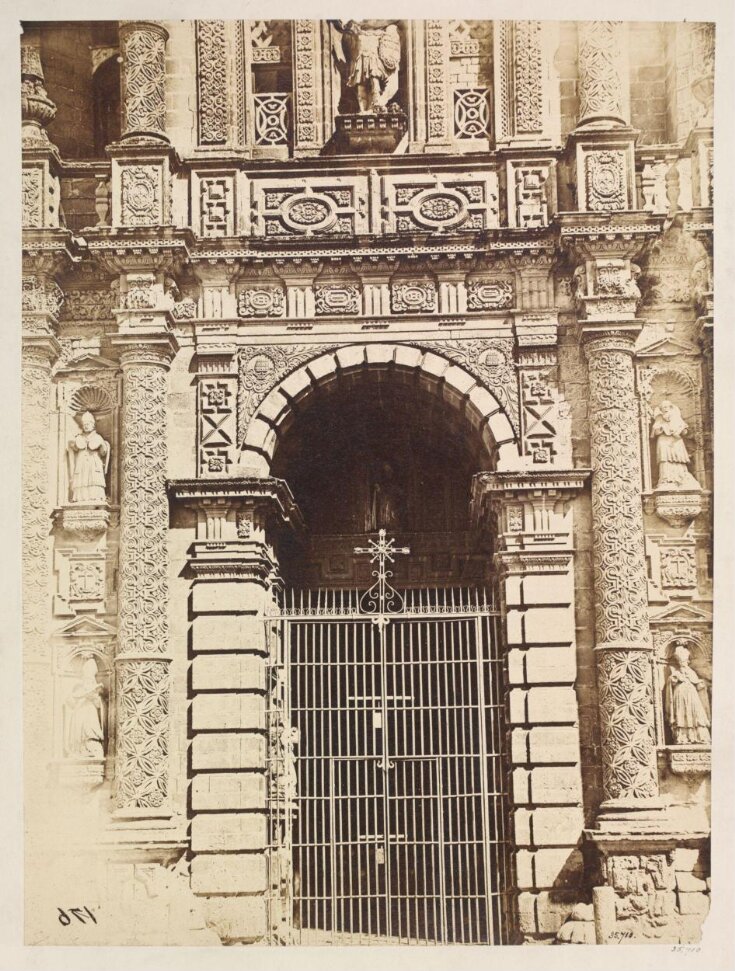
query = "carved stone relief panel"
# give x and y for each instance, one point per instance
(87, 304)
(546, 432)
(605, 180)
(215, 204)
(311, 207)
(337, 298)
(413, 296)
(437, 108)
(531, 193)
(261, 300)
(217, 400)
(141, 194)
(414, 202)
(306, 76)
(80, 581)
(32, 194)
(486, 293)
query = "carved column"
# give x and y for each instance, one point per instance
(604, 96)
(623, 639)
(143, 49)
(38, 355)
(142, 663)
(41, 163)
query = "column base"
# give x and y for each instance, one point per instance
(622, 817)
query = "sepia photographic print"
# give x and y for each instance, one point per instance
(367, 480)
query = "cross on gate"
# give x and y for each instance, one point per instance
(381, 599)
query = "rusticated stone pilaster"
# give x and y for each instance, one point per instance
(142, 668)
(143, 49)
(603, 74)
(621, 621)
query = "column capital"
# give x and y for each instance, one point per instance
(156, 349)
(600, 337)
(39, 350)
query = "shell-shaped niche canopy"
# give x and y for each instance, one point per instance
(90, 398)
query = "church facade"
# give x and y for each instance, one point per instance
(367, 481)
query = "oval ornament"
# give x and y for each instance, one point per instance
(308, 213)
(440, 209)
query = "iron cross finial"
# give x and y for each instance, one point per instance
(381, 599)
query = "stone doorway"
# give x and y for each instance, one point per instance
(398, 830)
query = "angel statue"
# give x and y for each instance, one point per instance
(369, 54)
(671, 454)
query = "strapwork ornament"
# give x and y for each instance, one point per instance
(382, 599)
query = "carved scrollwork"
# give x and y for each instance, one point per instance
(626, 721)
(212, 78)
(142, 733)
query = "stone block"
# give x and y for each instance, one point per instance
(552, 909)
(237, 918)
(557, 868)
(693, 903)
(222, 873)
(350, 357)
(685, 858)
(228, 790)
(527, 913)
(524, 869)
(545, 665)
(516, 666)
(521, 820)
(517, 706)
(228, 832)
(551, 705)
(688, 883)
(549, 625)
(244, 672)
(519, 745)
(227, 596)
(233, 710)
(229, 632)
(552, 744)
(520, 789)
(546, 590)
(560, 826)
(557, 784)
(228, 751)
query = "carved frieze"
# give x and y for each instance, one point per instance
(211, 42)
(83, 303)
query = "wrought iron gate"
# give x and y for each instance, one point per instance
(399, 828)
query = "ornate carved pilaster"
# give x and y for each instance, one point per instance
(604, 100)
(211, 41)
(437, 84)
(527, 96)
(621, 613)
(143, 49)
(307, 73)
(142, 663)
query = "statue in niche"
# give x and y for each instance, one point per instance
(671, 454)
(89, 460)
(386, 500)
(368, 57)
(686, 704)
(84, 715)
